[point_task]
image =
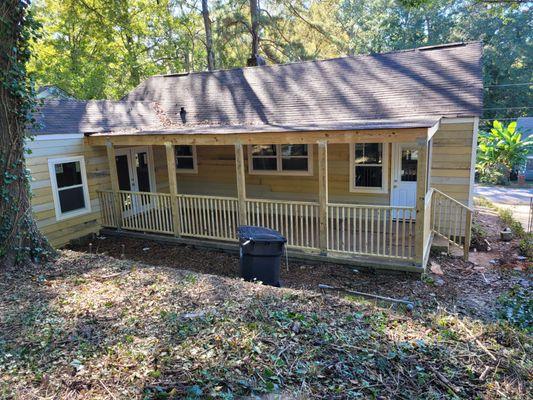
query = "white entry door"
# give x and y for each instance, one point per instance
(135, 171)
(404, 170)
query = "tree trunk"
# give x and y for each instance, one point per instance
(208, 36)
(20, 240)
(254, 11)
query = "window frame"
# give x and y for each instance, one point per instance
(55, 189)
(194, 157)
(279, 162)
(384, 170)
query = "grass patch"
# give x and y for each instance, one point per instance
(480, 201)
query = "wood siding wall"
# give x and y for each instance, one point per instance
(451, 160)
(216, 176)
(61, 232)
(450, 173)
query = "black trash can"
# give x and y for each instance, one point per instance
(260, 251)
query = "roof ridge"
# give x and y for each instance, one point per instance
(96, 101)
(355, 56)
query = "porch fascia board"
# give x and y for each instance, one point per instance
(433, 130)
(304, 137)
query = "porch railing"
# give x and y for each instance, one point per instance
(451, 220)
(379, 231)
(296, 220)
(371, 230)
(208, 217)
(146, 212)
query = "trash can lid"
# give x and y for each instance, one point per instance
(259, 234)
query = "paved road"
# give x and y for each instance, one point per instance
(515, 199)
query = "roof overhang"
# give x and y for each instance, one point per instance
(402, 129)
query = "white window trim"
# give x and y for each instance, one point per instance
(279, 158)
(194, 170)
(55, 190)
(384, 172)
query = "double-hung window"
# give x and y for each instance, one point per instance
(287, 159)
(186, 161)
(69, 186)
(369, 167)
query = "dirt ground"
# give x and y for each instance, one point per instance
(470, 288)
(95, 326)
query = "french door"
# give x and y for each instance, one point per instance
(135, 171)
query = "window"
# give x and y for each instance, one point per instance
(288, 159)
(368, 167)
(186, 159)
(69, 186)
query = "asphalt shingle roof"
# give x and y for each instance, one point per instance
(441, 80)
(411, 87)
(73, 116)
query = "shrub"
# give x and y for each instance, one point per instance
(499, 151)
(526, 246)
(506, 216)
(516, 307)
(479, 236)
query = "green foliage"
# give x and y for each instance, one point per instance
(499, 151)
(506, 216)
(516, 307)
(526, 238)
(101, 49)
(479, 236)
(526, 246)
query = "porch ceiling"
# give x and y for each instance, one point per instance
(401, 129)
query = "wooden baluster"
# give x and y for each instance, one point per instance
(468, 234)
(384, 233)
(173, 186)
(397, 233)
(372, 230)
(366, 229)
(403, 231)
(323, 195)
(410, 233)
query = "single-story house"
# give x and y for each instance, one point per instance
(361, 159)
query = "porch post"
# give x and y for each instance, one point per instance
(173, 184)
(241, 183)
(323, 195)
(421, 177)
(113, 175)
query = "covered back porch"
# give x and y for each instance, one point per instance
(320, 226)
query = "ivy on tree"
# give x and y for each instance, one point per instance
(20, 240)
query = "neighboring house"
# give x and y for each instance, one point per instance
(525, 125)
(51, 92)
(356, 159)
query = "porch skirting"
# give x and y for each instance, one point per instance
(293, 254)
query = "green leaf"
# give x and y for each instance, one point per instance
(512, 127)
